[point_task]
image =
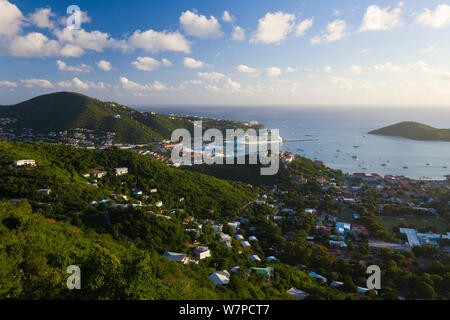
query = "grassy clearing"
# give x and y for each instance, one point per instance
(416, 222)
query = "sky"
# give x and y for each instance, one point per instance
(206, 53)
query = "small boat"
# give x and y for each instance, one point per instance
(405, 167)
(355, 157)
(445, 167)
(383, 164)
(428, 164)
(338, 150)
(355, 146)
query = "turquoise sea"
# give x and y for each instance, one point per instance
(341, 128)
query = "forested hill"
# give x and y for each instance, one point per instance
(414, 131)
(61, 169)
(68, 110)
(119, 249)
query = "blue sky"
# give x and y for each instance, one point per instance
(254, 52)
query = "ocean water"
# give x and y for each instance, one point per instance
(339, 128)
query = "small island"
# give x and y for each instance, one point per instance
(414, 131)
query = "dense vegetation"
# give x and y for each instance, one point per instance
(247, 173)
(414, 131)
(60, 169)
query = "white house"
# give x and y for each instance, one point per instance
(220, 277)
(235, 269)
(120, 171)
(202, 252)
(252, 238)
(245, 244)
(159, 204)
(24, 162)
(45, 191)
(239, 237)
(176, 257)
(272, 258)
(234, 225)
(225, 237)
(255, 258)
(317, 276)
(299, 294)
(336, 284)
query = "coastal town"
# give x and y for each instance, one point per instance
(338, 227)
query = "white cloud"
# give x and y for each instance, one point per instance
(93, 40)
(154, 41)
(243, 69)
(158, 86)
(336, 30)
(303, 26)
(232, 85)
(80, 84)
(130, 85)
(191, 63)
(70, 50)
(213, 76)
(423, 66)
(238, 34)
(356, 70)
(41, 18)
(312, 72)
(389, 67)
(8, 84)
(62, 66)
(427, 50)
(291, 69)
(342, 83)
(200, 26)
(33, 45)
(377, 18)
(364, 50)
(146, 63)
(28, 83)
(134, 86)
(273, 72)
(166, 62)
(315, 40)
(273, 28)
(212, 88)
(227, 17)
(439, 18)
(104, 65)
(11, 18)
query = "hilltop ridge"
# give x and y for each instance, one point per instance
(65, 110)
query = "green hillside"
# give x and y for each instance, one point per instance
(414, 131)
(69, 110)
(60, 168)
(119, 250)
